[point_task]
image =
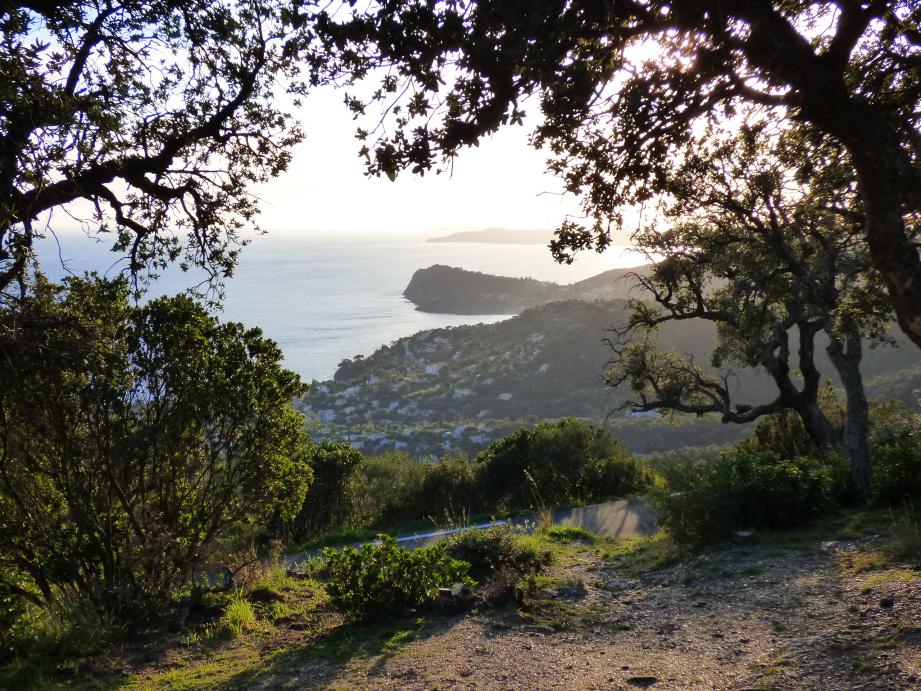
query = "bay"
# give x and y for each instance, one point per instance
(325, 297)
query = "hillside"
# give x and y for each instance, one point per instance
(461, 388)
(499, 236)
(447, 289)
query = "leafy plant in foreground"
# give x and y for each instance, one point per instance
(382, 578)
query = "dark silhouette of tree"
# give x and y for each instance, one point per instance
(766, 243)
(160, 115)
(457, 71)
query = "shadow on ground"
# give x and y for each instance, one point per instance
(340, 649)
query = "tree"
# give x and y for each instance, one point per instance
(458, 70)
(135, 442)
(766, 242)
(158, 114)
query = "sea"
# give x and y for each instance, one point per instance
(326, 297)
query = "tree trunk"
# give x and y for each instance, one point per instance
(889, 186)
(846, 359)
(817, 425)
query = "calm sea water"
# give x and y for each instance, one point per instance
(323, 299)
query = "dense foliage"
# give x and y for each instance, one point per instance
(135, 441)
(329, 501)
(380, 579)
(489, 550)
(554, 463)
(569, 461)
(896, 445)
(746, 490)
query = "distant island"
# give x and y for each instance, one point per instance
(450, 290)
(499, 236)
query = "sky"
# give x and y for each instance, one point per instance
(501, 183)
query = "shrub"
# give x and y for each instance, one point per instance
(490, 549)
(782, 433)
(384, 487)
(896, 449)
(137, 441)
(745, 490)
(450, 487)
(379, 579)
(329, 502)
(569, 461)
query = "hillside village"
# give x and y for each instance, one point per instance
(459, 389)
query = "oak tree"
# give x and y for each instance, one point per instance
(764, 240)
(146, 120)
(621, 83)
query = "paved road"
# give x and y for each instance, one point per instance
(624, 518)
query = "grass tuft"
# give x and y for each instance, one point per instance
(239, 616)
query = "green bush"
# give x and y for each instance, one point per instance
(450, 488)
(896, 449)
(569, 461)
(379, 579)
(745, 490)
(329, 502)
(491, 549)
(139, 441)
(384, 489)
(782, 433)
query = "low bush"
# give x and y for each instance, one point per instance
(379, 579)
(490, 549)
(744, 490)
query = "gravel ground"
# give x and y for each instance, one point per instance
(746, 618)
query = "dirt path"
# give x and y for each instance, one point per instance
(746, 618)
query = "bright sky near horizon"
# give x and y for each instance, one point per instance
(501, 183)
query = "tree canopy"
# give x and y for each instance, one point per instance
(156, 116)
(766, 242)
(621, 84)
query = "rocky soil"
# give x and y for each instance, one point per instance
(751, 617)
